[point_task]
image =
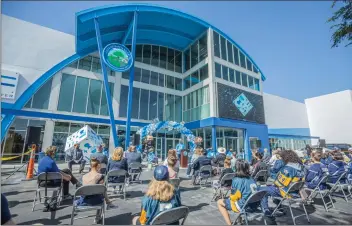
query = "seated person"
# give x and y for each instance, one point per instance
(117, 162)
(105, 150)
(103, 159)
(133, 156)
(94, 177)
(278, 164)
(199, 163)
(253, 160)
(227, 169)
(274, 157)
(197, 153)
(172, 167)
(220, 158)
(242, 188)
(291, 172)
(47, 165)
(267, 156)
(336, 168)
(349, 172)
(326, 158)
(258, 166)
(161, 196)
(77, 157)
(6, 218)
(172, 153)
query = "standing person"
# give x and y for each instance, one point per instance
(171, 167)
(308, 150)
(94, 177)
(6, 218)
(77, 158)
(103, 160)
(274, 157)
(197, 153)
(161, 196)
(117, 162)
(242, 188)
(253, 160)
(179, 147)
(47, 165)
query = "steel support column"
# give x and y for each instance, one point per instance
(106, 84)
(130, 84)
(213, 137)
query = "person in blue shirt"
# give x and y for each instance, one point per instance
(349, 173)
(349, 154)
(117, 162)
(316, 171)
(6, 218)
(179, 147)
(103, 159)
(160, 196)
(337, 168)
(278, 164)
(105, 150)
(241, 189)
(47, 165)
(202, 160)
(326, 158)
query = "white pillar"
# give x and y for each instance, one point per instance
(211, 72)
(48, 134)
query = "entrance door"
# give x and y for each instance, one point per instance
(160, 143)
(232, 143)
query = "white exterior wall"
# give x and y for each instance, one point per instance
(31, 50)
(330, 116)
(281, 113)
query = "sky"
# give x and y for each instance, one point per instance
(289, 40)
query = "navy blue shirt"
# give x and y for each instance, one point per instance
(5, 211)
(47, 165)
(100, 157)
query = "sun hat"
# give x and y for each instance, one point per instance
(221, 150)
(161, 173)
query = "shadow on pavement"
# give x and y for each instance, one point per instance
(122, 219)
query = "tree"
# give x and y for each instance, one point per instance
(342, 20)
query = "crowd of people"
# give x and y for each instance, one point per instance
(284, 167)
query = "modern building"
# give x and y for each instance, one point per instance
(186, 70)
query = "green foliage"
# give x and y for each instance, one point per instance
(342, 20)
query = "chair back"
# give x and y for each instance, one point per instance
(95, 189)
(117, 173)
(295, 187)
(227, 177)
(255, 197)
(135, 166)
(50, 176)
(171, 216)
(206, 168)
(261, 173)
(175, 182)
(343, 175)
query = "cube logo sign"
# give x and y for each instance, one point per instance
(243, 104)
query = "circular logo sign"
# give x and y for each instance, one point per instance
(117, 57)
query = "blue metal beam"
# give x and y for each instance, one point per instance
(213, 137)
(106, 84)
(130, 87)
(128, 32)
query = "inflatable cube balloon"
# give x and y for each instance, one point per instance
(87, 139)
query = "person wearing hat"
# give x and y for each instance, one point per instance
(220, 158)
(161, 196)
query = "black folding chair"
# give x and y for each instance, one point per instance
(87, 190)
(295, 187)
(117, 173)
(340, 186)
(204, 174)
(255, 197)
(48, 178)
(171, 216)
(261, 174)
(222, 190)
(135, 171)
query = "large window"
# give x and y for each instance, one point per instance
(196, 77)
(197, 52)
(83, 95)
(40, 99)
(196, 105)
(90, 63)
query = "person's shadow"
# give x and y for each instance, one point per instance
(122, 219)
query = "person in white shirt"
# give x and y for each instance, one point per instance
(274, 157)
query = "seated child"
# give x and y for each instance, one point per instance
(337, 168)
(242, 188)
(227, 169)
(161, 195)
(291, 172)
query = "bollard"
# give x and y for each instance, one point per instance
(31, 164)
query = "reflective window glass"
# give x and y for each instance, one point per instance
(250, 82)
(242, 60)
(161, 80)
(160, 106)
(144, 103)
(66, 92)
(194, 54)
(217, 70)
(229, 52)
(123, 101)
(154, 78)
(74, 127)
(85, 63)
(223, 48)
(170, 107)
(178, 61)
(155, 56)
(238, 78)
(145, 76)
(225, 73)
(42, 96)
(137, 74)
(61, 127)
(255, 69)
(94, 97)
(203, 73)
(216, 44)
(178, 84)
(231, 75)
(203, 49)
(178, 108)
(153, 105)
(135, 103)
(249, 64)
(126, 74)
(187, 59)
(194, 78)
(74, 64)
(256, 84)
(171, 59)
(147, 49)
(103, 105)
(80, 98)
(170, 82)
(187, 82)
(244, 80)
(139, 53)
(163, 57)
(235, 55)
(96, 66)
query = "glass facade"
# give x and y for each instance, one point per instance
(196, 53)
(196, 105)
(90, 63)
(196, 77)
(288, 143)
(40, 99)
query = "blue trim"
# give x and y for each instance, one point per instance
(36, 114)
(130, 83)
(7, 84)
(213, 137)
(128, 32)
(106, 84)
(291, 136)
(291, 131)
(8, 77)
(6, 105)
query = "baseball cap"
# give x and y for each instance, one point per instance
(161, 173)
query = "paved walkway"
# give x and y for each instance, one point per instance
(20, 195)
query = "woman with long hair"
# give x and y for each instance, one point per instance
(172, 153)
(117, 162)
(161, 196)
(196, 154)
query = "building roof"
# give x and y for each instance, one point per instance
(155, 25)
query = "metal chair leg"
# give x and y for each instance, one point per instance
(305, 211)
(277, 207)
(35, 200)
(73, 214)
(103, 214)
(325, 205)
(293, 218)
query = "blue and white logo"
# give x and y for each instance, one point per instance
(9, 82)
(243, 104)
(117, 57)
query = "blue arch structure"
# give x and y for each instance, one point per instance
(156, 25)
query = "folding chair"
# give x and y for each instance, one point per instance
(322, 192)
(255, 197)
(96, 189)
(117, 173)
(222, 190)
(204, 174)
(294, 187)
(46, 177)
(339, 186)
(175, 182)
(170, 216)
(261, 173)
(135, 171)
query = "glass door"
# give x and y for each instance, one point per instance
(159, 146)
